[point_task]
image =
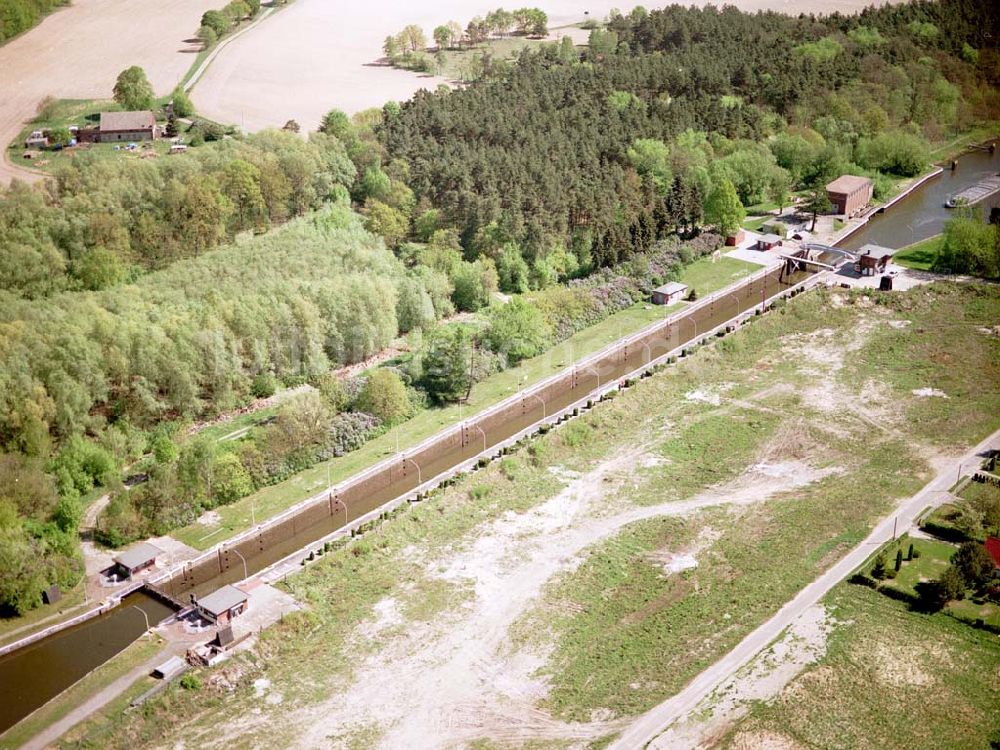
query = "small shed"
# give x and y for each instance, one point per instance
(850, 194)
(222, 605)
(170, 668)
(132, 561)
(669, 293)
(768, 241)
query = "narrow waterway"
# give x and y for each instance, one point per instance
(922, 213)
(33, 675)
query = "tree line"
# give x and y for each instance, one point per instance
(552, 151)
(17, 16)
(216, 24)
(408, 48)
(187, 476)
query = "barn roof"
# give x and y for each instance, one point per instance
(112, 121)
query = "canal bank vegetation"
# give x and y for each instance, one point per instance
(647, 602)
(969, 245)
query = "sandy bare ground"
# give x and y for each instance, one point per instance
(444, 684)
(316, 55)
(77, 53)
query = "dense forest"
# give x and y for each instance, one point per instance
(138, 296)
(604, 154)
(103, 221)
(17, 16)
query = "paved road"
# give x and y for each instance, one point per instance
(644, 730)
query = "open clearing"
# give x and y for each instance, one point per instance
(549, 598)
(78, 51)
(889, 678)
(316, 55)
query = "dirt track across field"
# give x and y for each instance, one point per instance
(317, 55)
(77, 52)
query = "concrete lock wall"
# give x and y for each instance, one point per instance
(325, 513)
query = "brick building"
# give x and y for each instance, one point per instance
(850, 194)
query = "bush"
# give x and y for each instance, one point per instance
(517, 330)
(263, 385)
(182, 103)
(191, 681)
(480, 492)
(384, 396)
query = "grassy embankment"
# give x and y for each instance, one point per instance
(705, 275)
(624, 635)
(920, 256)
(57, 708)
(890, 678)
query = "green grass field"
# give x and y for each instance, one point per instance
(931, 563)
(922, 255)
(890, 678)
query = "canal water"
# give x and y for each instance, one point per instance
(922, 213)
(37, 673)
(33, 675)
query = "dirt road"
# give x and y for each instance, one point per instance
(78, 51)
(454, 680)
(316, 55)
(647, 728)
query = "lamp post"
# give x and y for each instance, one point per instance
(420, 480)
(483, 433)
(539, 399)
(144, 616)
(237, 552)
(596, 374)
